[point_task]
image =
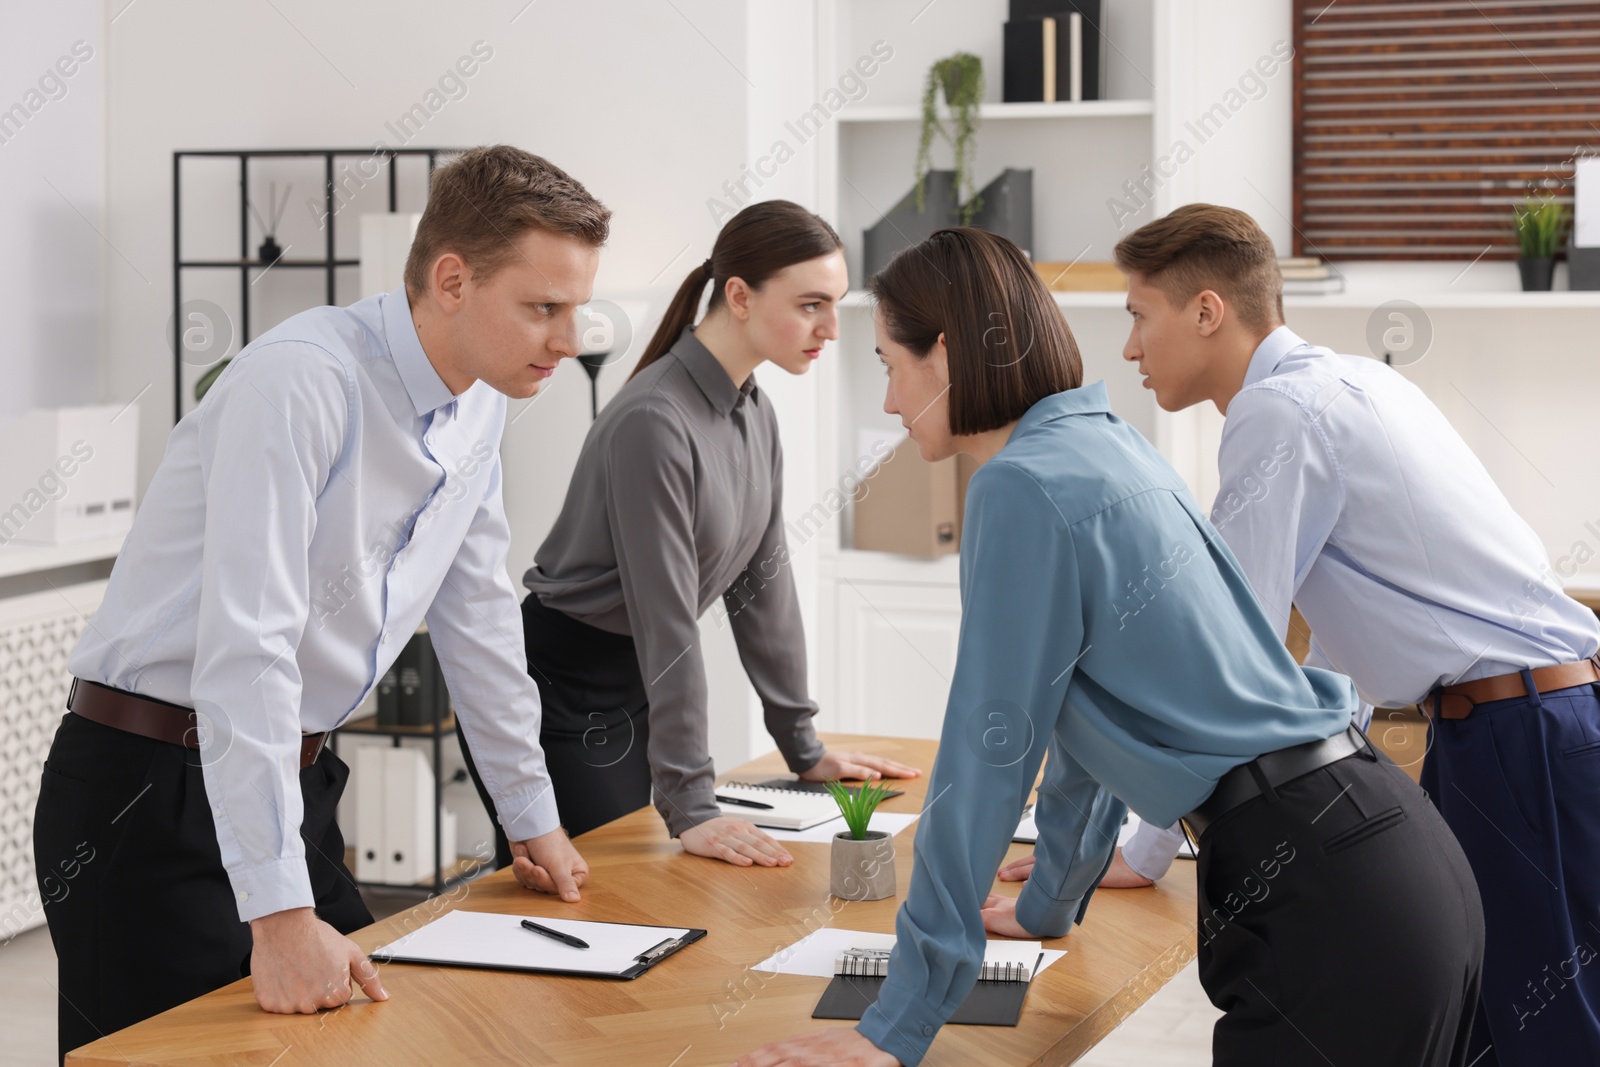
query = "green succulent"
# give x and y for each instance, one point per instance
(857, 805)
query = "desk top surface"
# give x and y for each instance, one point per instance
(700, 1006)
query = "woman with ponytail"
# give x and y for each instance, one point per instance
(676, 502)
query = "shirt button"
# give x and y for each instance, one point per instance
(926, 1029)
(243, 896)
(216, 809)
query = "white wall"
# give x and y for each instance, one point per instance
(52, 202)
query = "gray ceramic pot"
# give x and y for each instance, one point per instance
(862, 870)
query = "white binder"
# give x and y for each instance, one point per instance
(369, 842)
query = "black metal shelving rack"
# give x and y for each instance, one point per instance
(246, 261)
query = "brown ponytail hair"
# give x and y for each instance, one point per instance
(755, 244)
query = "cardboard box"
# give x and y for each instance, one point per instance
(913, 507)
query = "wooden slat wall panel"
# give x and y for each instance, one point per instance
(1417, 125)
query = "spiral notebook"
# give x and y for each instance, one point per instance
(780, 809)
(996, 999)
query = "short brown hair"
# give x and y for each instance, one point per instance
(1203, 246)
(1008, 343)
(485, 198)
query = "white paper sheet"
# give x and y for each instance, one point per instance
(487, 939)
(891, 822)
(815, 953)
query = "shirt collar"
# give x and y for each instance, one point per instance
(423, 384)
(709, 375)
(1085, 400)
(1270, 352)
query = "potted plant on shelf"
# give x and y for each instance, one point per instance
(1541, 223)
(960, 77)
(862, 862)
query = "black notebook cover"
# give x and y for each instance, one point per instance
(989, 1003)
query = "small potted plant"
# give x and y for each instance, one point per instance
(862, 860)
(1541, 224)
(960, 77)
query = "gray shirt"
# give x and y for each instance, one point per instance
(676, 501)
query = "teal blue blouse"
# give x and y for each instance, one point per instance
(1104, 620)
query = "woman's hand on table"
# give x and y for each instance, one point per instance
(736, 841)
(844, 764)
(820, 1048)
(1000, 917)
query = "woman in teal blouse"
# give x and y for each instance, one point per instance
(1105, 622)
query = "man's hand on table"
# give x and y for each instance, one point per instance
(736, 841)
(820, 1048)
(549, 864)
(1118, 876)
(298, 963)
(842, 765)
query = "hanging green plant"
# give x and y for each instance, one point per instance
(960, 78)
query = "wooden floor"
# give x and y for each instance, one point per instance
(1172, 1030)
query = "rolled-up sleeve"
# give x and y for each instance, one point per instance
(476, 626)
(270, 440)
(1022, 631)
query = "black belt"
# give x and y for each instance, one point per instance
(1244, 782)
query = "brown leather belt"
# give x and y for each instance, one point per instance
(1457, 701)
(155, 719)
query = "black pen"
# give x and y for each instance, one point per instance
(565, 939)
(743, 803)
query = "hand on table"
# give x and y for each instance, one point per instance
(1118, 876)
(820, 1048)
(843, 765)
(549, 864)
(1000, 917)
(298, 963)
(738, 841)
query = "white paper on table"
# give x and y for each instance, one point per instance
(1586, 201)
(890, 822)
(487, 939)
(816, 953)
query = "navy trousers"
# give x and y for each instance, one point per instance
(1518, 781)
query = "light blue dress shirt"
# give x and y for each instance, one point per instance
(327, 496)
(1104, 621)
(1345, 491)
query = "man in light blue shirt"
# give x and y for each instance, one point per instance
(1346, 492)
(339, 485)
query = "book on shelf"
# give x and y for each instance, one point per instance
(1051, 52)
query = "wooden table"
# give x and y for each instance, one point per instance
(701, 1006)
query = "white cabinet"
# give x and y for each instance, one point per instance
(895, 646)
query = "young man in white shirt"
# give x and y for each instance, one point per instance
(1346, 492)
(339, 484)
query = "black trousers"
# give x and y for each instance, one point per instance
(595, 731)
(1339, 923)
(139, 906)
